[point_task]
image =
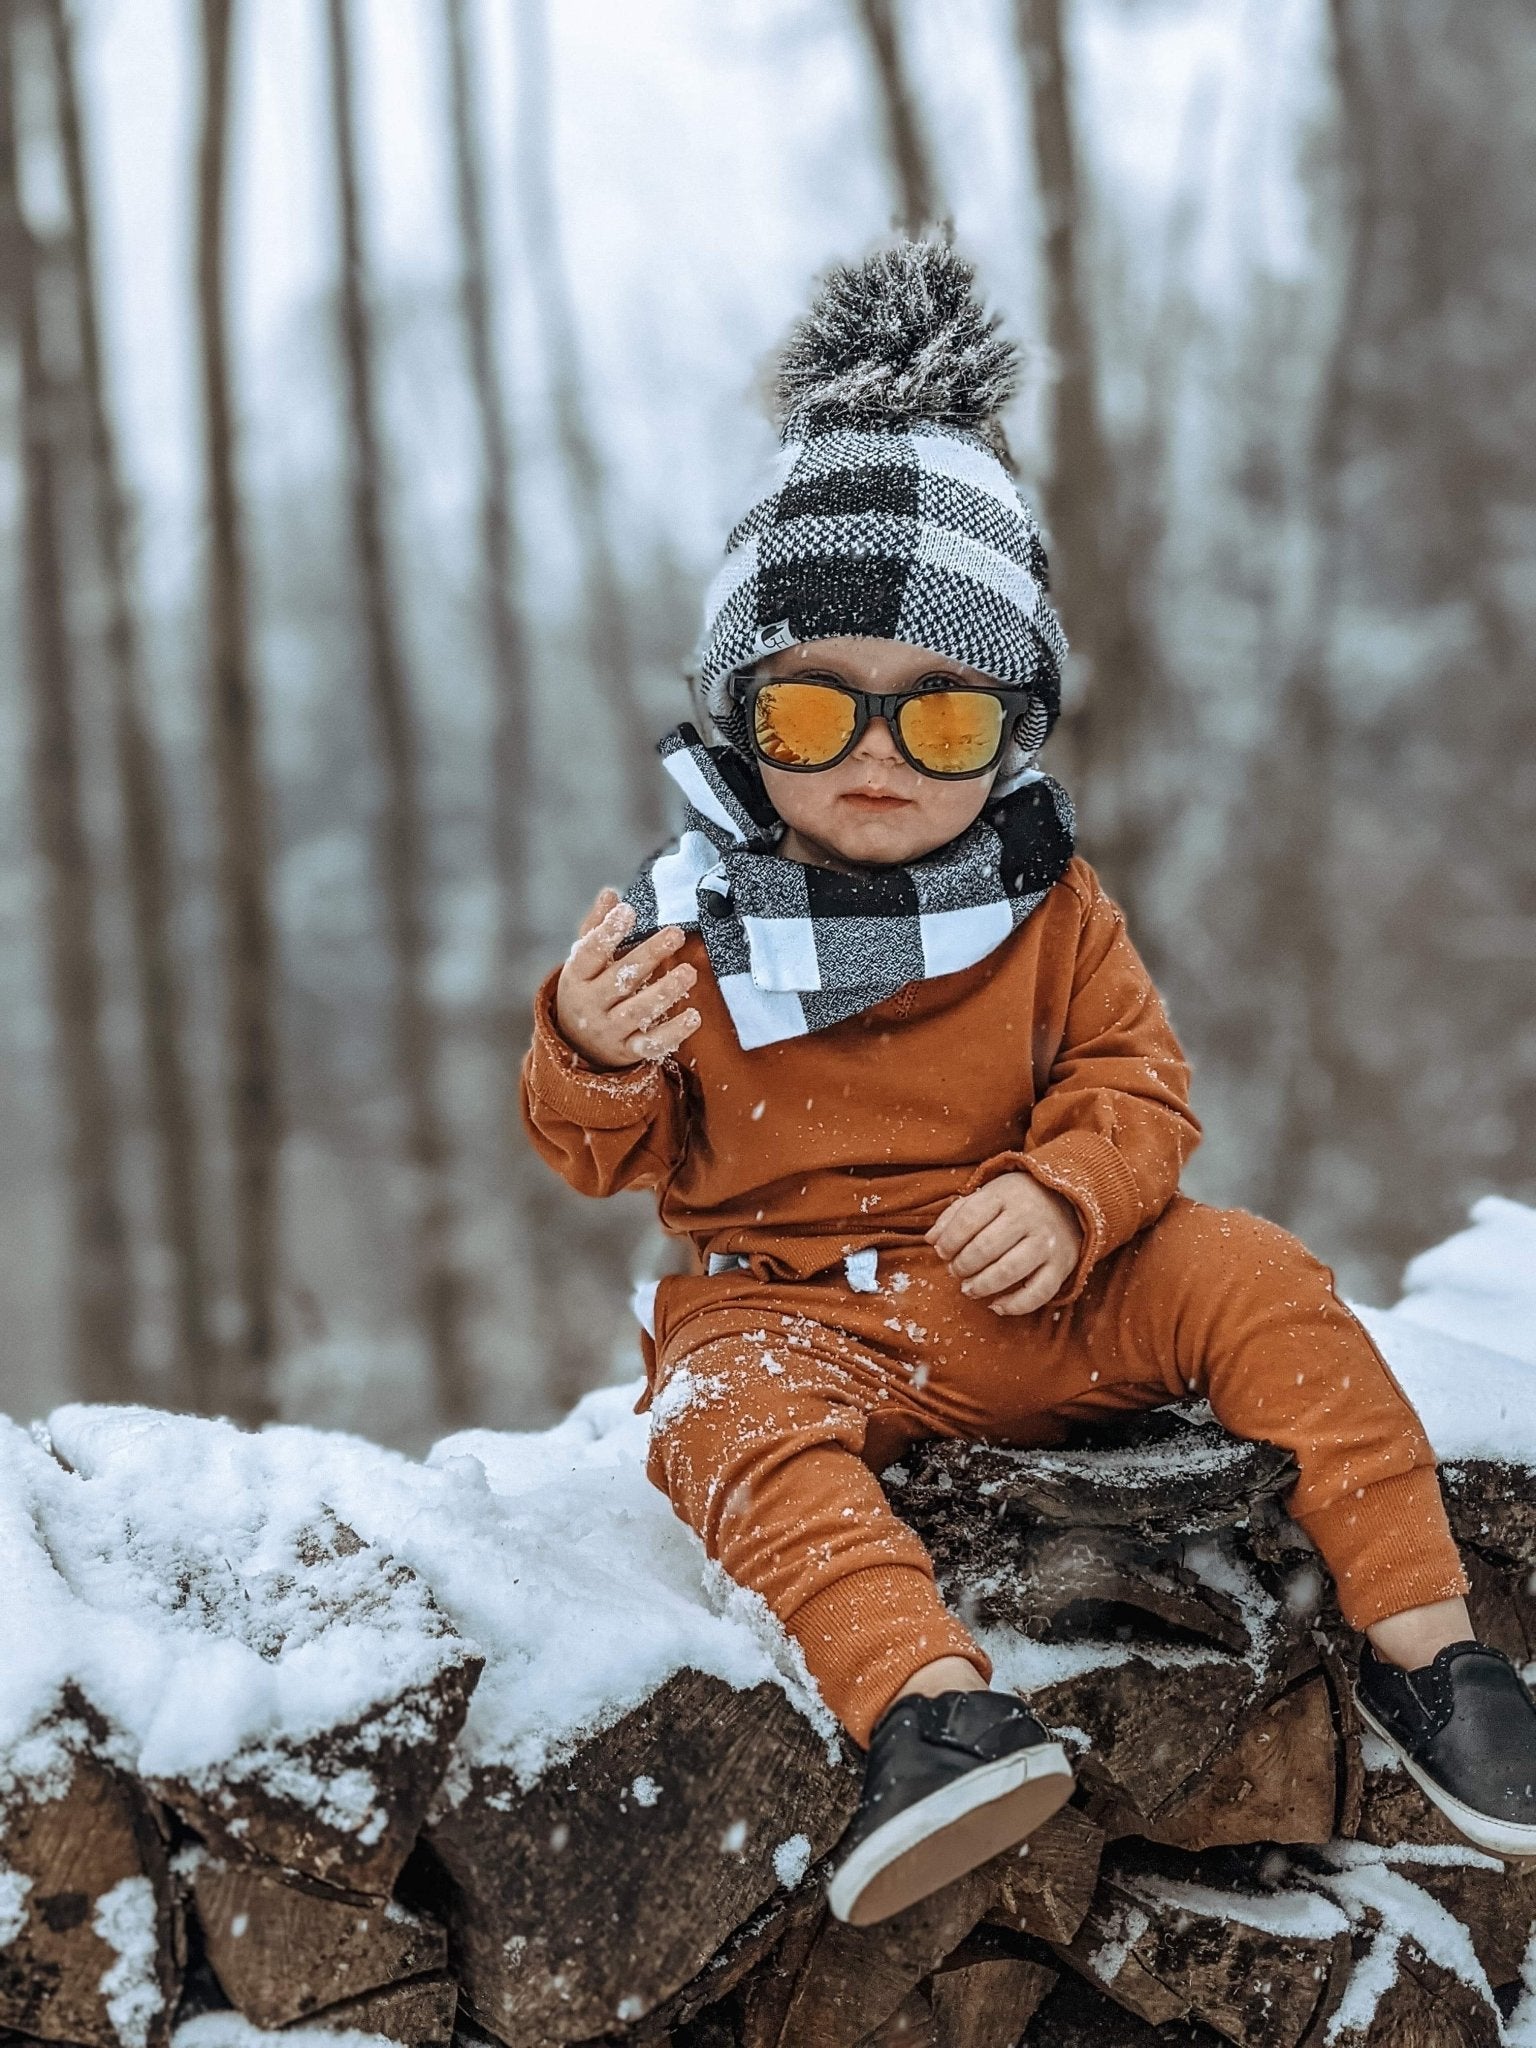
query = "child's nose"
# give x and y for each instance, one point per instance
(877, 743)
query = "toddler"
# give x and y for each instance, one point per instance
(877, 1039)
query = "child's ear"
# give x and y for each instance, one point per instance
(703, 718)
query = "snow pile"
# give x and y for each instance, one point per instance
(197, 1588)
(212, 1593)
(1480, 1284)
(1463, 1339)
(582, 1586)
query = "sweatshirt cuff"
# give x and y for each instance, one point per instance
(1092, 1175)
(596, 1098)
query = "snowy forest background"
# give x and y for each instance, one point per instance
(377, 380)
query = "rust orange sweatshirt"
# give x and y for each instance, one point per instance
(1053, 1055)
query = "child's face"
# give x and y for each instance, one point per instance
(870, 809)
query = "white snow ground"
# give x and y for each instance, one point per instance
(168, 1567)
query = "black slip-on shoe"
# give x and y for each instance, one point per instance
(948, 1782)
(1464, 1728)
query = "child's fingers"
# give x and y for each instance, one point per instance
(639, 1012)
(664, 1039)
(641, 962)
(1019, 1263)
(594, 948)
(962, 1219)
(1035, 1293)
(990, 1243)
(606, 899)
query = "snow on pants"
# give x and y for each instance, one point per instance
(775, 1403)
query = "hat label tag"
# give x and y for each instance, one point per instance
(771, 638)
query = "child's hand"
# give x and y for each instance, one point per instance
(1012, 1238)
(611, 1010)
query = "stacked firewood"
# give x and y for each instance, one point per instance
(1237, 1864)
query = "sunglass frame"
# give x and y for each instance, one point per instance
(868, 704)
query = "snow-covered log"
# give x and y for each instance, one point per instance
(483, 1744)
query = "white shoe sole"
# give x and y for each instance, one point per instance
(1499, 1837)
(991, 1808)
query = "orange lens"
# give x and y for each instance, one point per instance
(804, 725)
(952, 732)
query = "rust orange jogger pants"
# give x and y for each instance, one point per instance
(775, 1403)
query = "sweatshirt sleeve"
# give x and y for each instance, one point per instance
(600, 1130)
(1112, 1127)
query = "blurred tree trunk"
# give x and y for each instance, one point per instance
(402, 849)
(100, 1291)
(512, 789)
(1100, 572)
(1409, 1089)
(906, 146)
(563, 1345)
(251, 1052)
(614, 664)
(1323, 1087)
(145, 824)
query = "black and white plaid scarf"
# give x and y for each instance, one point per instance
(796, 948)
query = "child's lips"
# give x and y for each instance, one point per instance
(877, 799)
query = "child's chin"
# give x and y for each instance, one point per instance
(881, 848)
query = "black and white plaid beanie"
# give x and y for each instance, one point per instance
(889, 513)
(889, 510)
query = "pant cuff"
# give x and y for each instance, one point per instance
(864, 1635)
(1389, 1546)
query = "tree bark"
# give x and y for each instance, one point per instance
(402, 848)
(100, 1283)
(911, 163)
(146, 827)
(250, 967)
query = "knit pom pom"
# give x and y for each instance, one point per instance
(900, 337)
